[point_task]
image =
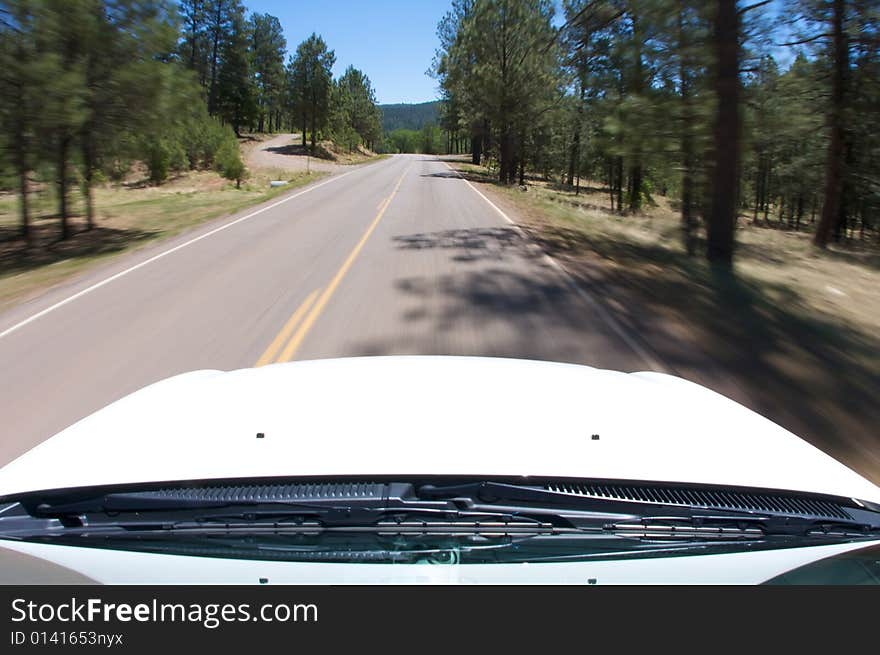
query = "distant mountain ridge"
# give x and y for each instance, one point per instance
(409, 116)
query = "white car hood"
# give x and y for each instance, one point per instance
(429, 416)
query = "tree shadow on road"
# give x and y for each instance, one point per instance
(457, 175)
(502, 299)
(47, 248)
(758, 343)
(299, 150)
(471, 244)
(769, 349)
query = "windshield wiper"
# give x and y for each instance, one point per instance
(460, 508)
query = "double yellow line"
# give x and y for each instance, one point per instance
(302, 320)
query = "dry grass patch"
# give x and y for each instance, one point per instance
(128, 217)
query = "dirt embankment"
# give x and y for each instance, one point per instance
(286, 152)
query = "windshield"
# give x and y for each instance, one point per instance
(534, 282)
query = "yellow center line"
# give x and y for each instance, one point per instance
(313, 315)
(291, 324)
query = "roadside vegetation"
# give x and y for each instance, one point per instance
(428, 140)
(130, 215)
(127, 118)
(768, 112)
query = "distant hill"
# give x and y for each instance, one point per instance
(410, 117)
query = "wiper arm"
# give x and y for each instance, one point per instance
(328, 505)
(629, 518)
(367, 505)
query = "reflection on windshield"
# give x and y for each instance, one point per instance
(857, 567)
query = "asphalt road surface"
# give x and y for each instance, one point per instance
(401, 256)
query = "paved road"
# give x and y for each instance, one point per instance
(397, 257)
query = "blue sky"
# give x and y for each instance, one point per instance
(392, 41)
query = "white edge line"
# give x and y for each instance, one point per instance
(116, 276)
(652, 361)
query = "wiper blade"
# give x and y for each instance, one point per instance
(678, 520)
(356, 504)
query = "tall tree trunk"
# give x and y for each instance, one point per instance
(759, 182)
(314, 118)
(724, 176)
(620, 185)
(575, 153)
(609, 178)
(636, 87)
(836, 145)
(90, 199)
(505, 155)
(22, 169)
(63, 149)
(215, 53)
(842, 222)
(24, 206)
(522, 160)
(88, 155)
(635, 187)
(313, 133)
(476, 149)
(688, 224)
(192, 53)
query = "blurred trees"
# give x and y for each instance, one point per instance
(236, 90)
(88, 88)
(310, 78)
(681, 98)
(500, 65)
(269, 46)
(88, 85)
(355, 109)
(22, 69)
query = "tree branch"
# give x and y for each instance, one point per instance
(753, 6)
(807, 40)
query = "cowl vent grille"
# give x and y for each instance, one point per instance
(269, 493)
(714, 499)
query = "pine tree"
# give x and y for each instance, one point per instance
(504, 64)
(268, 46)
(235, 101)
(22, 68)
(310, 79)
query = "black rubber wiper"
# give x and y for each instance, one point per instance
(237, 507)
(636, 512)
(665, 515)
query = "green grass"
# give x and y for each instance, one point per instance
(127, 218)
